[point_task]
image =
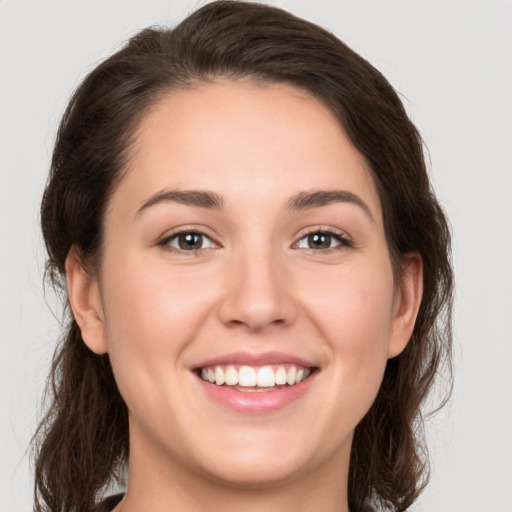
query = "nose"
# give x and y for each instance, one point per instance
(257, 293)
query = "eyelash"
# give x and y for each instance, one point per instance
(344, 242)
(165, 242)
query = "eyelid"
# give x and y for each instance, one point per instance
(164, 240)
(345, 240)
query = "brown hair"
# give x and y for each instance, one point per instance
(82, 441)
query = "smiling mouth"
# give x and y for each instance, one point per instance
(255, 378)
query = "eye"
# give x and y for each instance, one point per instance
(323, 240)
(188, 241)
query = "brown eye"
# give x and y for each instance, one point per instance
(322, 240)
(189, 241)
(319, 241)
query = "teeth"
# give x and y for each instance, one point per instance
(247, 376)
(262, 377)
(265, 377)
(231, 376)
(281, 376)
(219, 376)
(290, 378)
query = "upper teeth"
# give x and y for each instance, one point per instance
(249, 376)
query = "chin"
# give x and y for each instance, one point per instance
(263, 461)
(258, 473)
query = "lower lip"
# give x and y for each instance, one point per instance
(256, 402)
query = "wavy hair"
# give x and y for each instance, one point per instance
(82, 441)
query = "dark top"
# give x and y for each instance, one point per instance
(109, 503)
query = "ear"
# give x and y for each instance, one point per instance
(85, 300)
(407, 303)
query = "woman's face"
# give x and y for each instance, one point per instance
(245, 244)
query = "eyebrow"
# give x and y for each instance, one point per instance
(197, 198)
(307, 200)
(211, 200)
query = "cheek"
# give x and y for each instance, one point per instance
(354, 311)
(355, 299)
(151, 316)
(148, 306)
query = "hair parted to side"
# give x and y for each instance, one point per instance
(82, 442)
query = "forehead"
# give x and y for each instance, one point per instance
(237, 138)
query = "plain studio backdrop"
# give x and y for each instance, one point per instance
(451, 61)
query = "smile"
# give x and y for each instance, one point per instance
(255, 378)
(248, 383)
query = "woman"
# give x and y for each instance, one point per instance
(258, 275)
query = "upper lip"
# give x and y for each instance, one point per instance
(251, 359)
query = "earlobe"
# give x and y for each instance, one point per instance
(407, 304)
(84, 298)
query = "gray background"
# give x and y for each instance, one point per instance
(451, 61)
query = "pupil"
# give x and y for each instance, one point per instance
(319, 241)
(190, 241)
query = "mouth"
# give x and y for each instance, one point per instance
(251, 379)
(256, 383)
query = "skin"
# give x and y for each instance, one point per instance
(256, 286)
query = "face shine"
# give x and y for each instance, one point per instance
(211, 259)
